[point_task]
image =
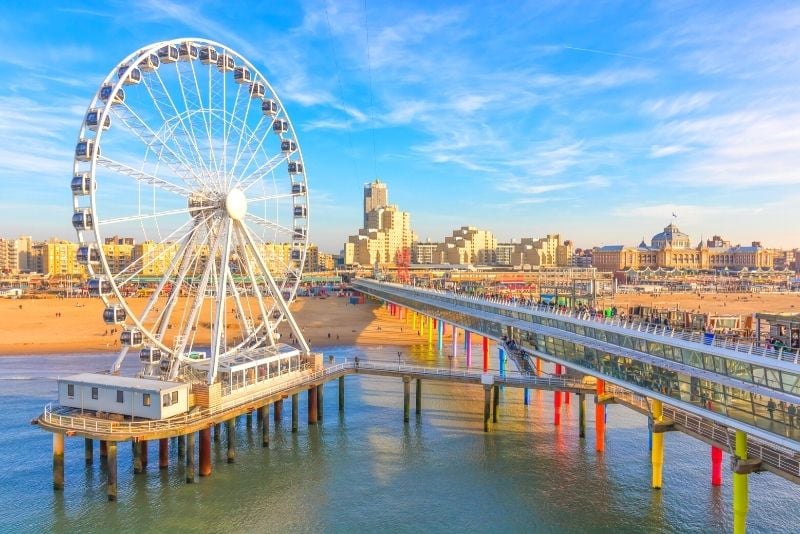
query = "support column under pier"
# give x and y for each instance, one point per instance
(217, 432)
(495, 403)
(485, 354)
(406, 398)
(163, 453)
(103, 448)
(468, 347)
(657, 455)
(58, 461)
(487, 406)
(740, 487)
(277, 411)
(600, 418)
(143, 446)
(264, 411)
(295, 410)
(88, 450)
(341, 393)
(111, 468)
(716, 466)
(581, 415)
(320, 402)
(418, 399)
(182, 447)
(312, 405)
(205, 452)
(136, 450)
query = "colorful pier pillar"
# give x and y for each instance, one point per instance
(455, 343)
(204, 459)
(468, 347)
(600, 418)
(430, 330)
(557, 400)
(526, 396)
(440, 335)
(538, 367)
(485, 354)
(716, 466)
(501, 355)
(657, 454)
(740, 487)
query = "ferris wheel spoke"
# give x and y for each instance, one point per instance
(260, 145)
(221, 308)
(255, 283)
(189, 115)
(226, 137)
(255, 177)
(130, 274)
(153, 141)
(206, 115)
(267, 198)
(143, 177)
(249, 146)
(133, 218)
(161, 101)
(273, 287)
(269, 224)
(242, 133)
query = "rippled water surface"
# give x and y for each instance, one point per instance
(364, 470)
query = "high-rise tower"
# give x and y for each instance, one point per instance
(376, 195)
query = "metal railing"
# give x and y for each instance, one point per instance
(773, 455)
(752, 348)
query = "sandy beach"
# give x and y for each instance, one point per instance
(54, 326)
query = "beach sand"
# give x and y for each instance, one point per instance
(32, 326)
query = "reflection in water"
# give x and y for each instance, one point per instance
(365, 470)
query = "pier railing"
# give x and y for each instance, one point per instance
(753, 348)
(781, 459)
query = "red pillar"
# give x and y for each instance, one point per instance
(205, 452)
(600, 419)
(557, 400)
(538, 367)
(716, 466)
(163, 453)
(485, 354)
(566, 393)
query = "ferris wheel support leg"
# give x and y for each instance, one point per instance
(118, 361)
(219, 326)
(273, 287)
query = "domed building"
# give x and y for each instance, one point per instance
(671, 237)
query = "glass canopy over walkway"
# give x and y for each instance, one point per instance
(739, 385)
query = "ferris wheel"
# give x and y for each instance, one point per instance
(191, 207)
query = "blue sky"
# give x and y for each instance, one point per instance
(597, 120)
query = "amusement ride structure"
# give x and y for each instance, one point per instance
(187, 146)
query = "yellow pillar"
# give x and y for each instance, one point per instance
(657, 454)
(430, 329)
(414, 321)
(740, 488)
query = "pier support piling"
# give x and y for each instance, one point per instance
(217, 432)
(295, 410)
(111, 469)
(88, 450)
(600, 418)
(277, 411)
(485, 354)
(143, 454)
(58, 461)
(526, 396)
(740, 487)
(657, 455)
(136, 448)
(181, 447)
(495, 403)
(556, 408)
(163, 453)
(312, 405)
(190, 458)
(341, 393)
(468, 347)
(418, 396)
(205, 452)
(231, 435)
(487, 406)
(716, 466)
(249, 419)
(103, 448)
(582, 415)
(406, 398)
(320, 402)
(264, 416)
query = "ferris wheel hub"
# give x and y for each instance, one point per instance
(236, 204)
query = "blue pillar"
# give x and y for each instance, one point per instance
(502, 355)
(526, 397)
(440, 334)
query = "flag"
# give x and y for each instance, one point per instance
(673, 214)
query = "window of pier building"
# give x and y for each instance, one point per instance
(146, 399)
(95, 393)
(120, 396)
(71, 391)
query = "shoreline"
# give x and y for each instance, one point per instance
(75, 326)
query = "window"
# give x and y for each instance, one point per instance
(120, 395)
(174, 397)
(165, 400)
(145, 399)
(94, 393)
(70, 390)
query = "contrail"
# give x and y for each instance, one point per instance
(602, 52)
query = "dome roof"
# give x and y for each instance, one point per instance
(671, 235)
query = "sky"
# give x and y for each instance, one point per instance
(595, 120)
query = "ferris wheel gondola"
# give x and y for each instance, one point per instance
(201, 163)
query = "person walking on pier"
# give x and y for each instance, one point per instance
(792, 411)
(771, 409)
